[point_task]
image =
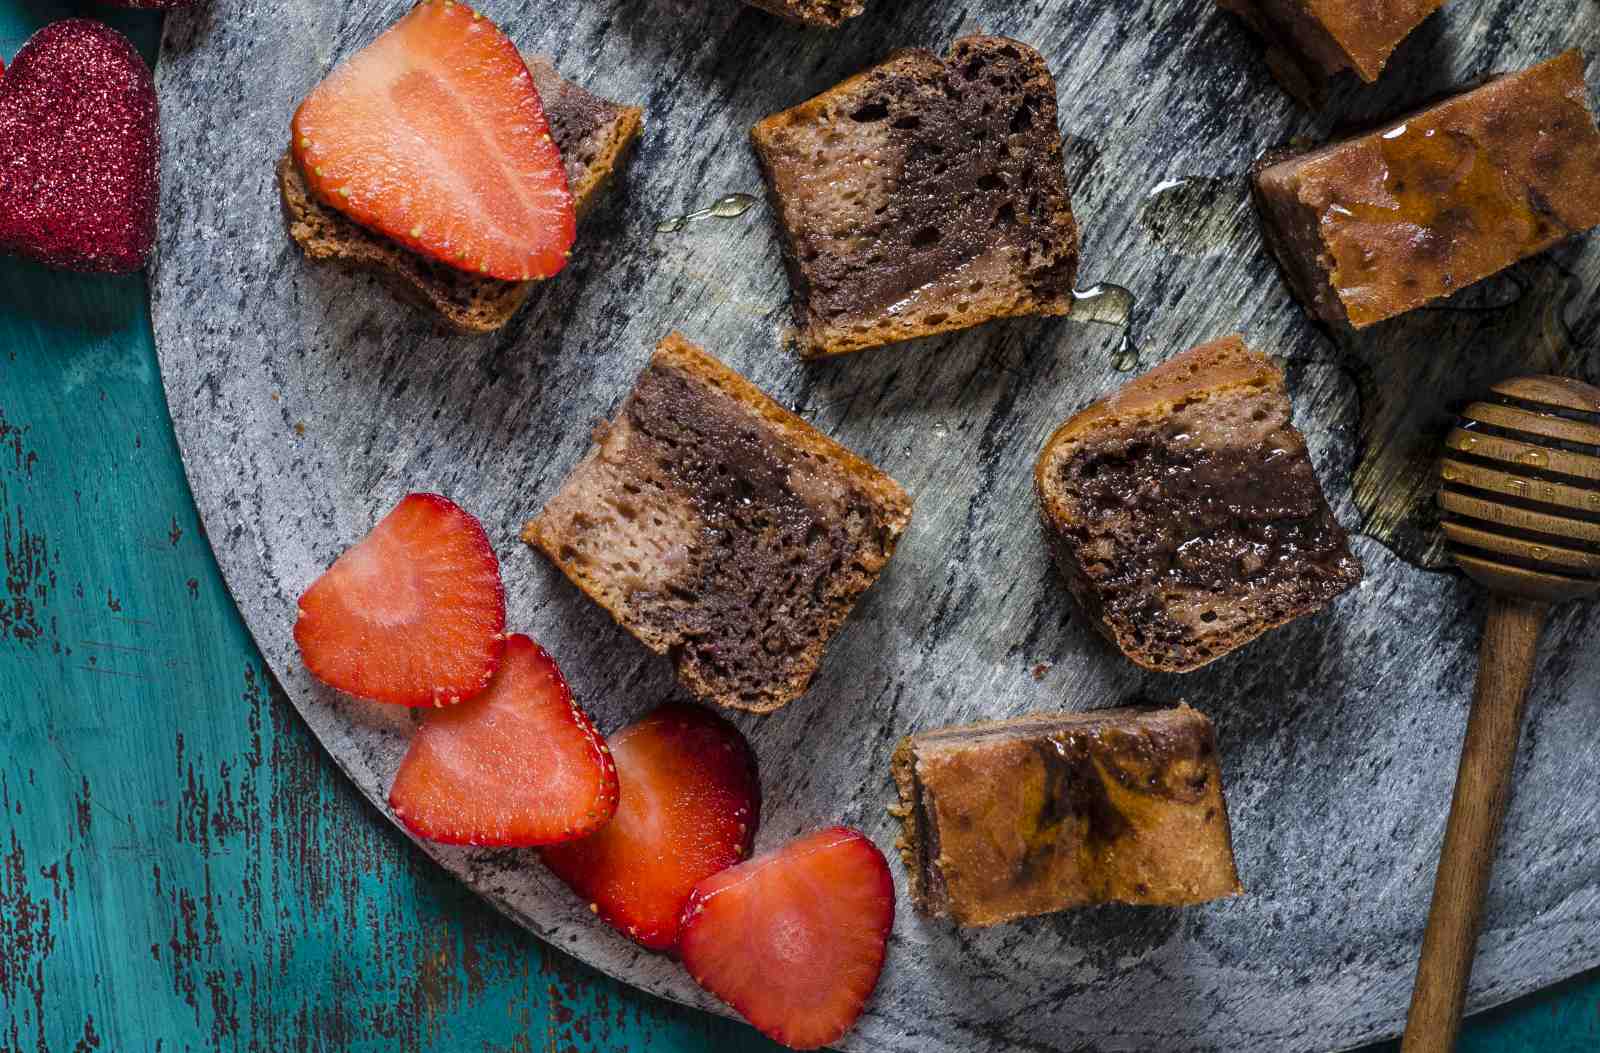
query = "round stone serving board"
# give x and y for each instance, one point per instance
(307, 401)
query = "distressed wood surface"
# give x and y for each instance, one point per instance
(307, 401)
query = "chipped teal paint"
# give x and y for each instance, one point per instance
(181, 867)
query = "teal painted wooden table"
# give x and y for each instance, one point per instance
(183, 868)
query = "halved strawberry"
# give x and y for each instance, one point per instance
(413, 613)
(519, 765)
(434, 136)
(690, 802)
(794, 939)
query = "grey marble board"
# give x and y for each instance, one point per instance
(307, 401)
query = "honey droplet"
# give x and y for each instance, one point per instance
(1450, 473)
(1108, 304)
(1193, 216)
(730, 205)
(1534, 458)
(1538, 552)
(1518, 487)
(1594, 501)
(1104, 303)
(1468, 442)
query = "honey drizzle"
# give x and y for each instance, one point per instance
(728, 206)
(1443, 201)
(1106, 304)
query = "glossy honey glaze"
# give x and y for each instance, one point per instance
(1445, 204)
(1458, 192)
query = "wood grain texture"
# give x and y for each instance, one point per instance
(1506, 663)
(307, 402)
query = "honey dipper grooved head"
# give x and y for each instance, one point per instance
(1519, 492)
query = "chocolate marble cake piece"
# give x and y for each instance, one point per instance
(1371, 227)
(826, 13)
(1311, 41)
(921, 196)
(1012, 818)
(595, 137)
(722, 530)
(1185, 514)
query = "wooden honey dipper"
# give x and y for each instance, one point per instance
(1520, 504)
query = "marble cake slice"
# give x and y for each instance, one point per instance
(829, 14)
(595, 137)
(921, 196)
(1370, 227)
(722, 530)
(1012, 818)
(1185, 514)
(1311, 41)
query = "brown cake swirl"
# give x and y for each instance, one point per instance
(1013, 818)
(1184, 512)
(923, 195)
(722, 530)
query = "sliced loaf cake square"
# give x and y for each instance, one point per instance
(594, 136)
(1012, 818)
(923, 195)
(1185, 513)
(722, 530)
(1373, 226)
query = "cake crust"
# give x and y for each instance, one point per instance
(1311, 41)
(722, 530)
(1184, 513)
(1373, 226)
(1013, 818)
(594, 136)
(924, 195)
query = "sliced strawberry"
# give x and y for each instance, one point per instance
(519, 765)
(794, 939)
(434, 136)
(413, 613)
(689, 807)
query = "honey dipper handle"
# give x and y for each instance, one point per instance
(1483, 786)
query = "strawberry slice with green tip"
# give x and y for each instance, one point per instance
(519, 765)
(794, 939)
(413, 613)
(690, 801)
(434, 136)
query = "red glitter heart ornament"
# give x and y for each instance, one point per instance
(78, 150)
